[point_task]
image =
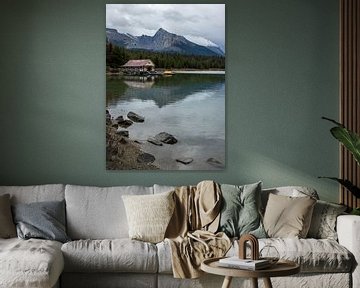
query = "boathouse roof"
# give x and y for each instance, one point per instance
(139, 63)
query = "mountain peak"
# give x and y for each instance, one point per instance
(162, 31)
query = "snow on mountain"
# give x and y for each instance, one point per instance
(200, 40)
(207, 43)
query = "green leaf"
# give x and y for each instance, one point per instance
(333, 121)
(348, 138)
(347, 184)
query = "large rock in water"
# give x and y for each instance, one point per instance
(145, 158)
(125, 123)
(135, 117)
(185, 161)
(154, 141)
(166, 138)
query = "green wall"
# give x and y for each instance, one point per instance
(282, 76)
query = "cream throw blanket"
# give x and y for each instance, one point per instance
(191, 231)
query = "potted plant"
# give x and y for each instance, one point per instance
(351, 141)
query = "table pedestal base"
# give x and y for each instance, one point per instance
(267, 282)
(227, 282)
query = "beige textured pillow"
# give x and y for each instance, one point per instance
(288, 217)
(7, 226)
(149, 215)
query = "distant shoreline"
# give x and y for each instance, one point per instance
(194, 71)
(178, 71)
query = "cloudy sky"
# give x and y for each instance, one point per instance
(194, 21)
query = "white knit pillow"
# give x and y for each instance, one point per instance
(149, 215)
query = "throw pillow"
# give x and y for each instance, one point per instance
(149, 215)
(288, 217)
(323, 222)
(240, 210)
(291, 191)
(44, 220)
(7, 226)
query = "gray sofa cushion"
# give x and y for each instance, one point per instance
(301, 280)
(164, 257)
(163, 188)
(36, 193)
(109, 280)
(98, 213)
(117, 255)
(313, 255)
(30, 263)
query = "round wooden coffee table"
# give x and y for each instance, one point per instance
(281, 268)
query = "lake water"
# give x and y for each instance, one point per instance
(189, 106)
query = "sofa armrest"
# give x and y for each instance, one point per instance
(348, 230)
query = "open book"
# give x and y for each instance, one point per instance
(236, 262)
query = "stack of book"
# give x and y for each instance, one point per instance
(248, 264)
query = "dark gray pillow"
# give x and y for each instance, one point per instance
(240, 213)
(44, 220)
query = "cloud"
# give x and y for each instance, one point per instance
(197, 20)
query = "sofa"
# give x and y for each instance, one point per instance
(101, 254)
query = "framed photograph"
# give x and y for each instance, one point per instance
(165, 86)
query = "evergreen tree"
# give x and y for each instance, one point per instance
(118, 56)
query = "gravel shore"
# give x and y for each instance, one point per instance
(122, 153)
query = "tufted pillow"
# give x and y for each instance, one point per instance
(240, 210)
(288, 217)
(7, 226)
(149, 215)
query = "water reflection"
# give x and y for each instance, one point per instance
(190, 107)
(164, 90)
(139, 82)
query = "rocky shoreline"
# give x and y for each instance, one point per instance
(123, 153)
